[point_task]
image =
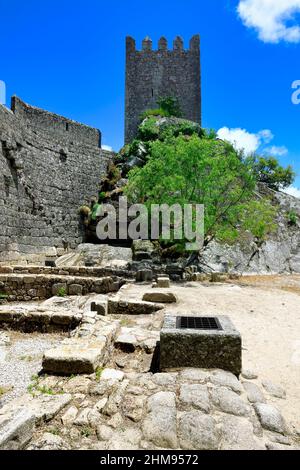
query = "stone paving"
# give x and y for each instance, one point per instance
(124, 402)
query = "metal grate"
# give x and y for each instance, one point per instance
(198, 323)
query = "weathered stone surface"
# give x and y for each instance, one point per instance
(164, 379)
(274, 389)
(104, 432)
(229, 402)
(77, 385)
(59, 287)
(117, 306)
(101, 404)
(75, 289)
(237, 434)
(160, 297)
(100, 307)
(270, 418)
(195, 395)
(274, 446)
(254, 393)
(128, 439)
(49, 441)
(16, 430)
(200, 348)
(69, 416)
(45, 407)
(197, 431)
(249, 374)
(226, 379)
(144, 275)
(163, 282)
(159, 426)
(116, 421)
(49, 162)
(96, 255)
(194, 375)
(82, 418)
(112, 374)
(115, 399)
(75, 357)
(178, 68)
(132, 407)
(278, 254)
(131, 339)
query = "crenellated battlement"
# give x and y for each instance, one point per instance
(165, 71)
(162, 46)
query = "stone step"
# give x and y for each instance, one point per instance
(82, 355)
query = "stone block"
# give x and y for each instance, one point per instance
(56, 288)
(75, 289)
(17, 431)
(75, 357)
(101, 307)
(163, 282)
(144, 275)
(208, 349)
(161, 297)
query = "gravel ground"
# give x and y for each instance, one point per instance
(21, 359)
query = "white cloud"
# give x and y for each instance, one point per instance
(107, 147)
(266, 135)
(292, 191)
(274, 20)
(276, 151)
(242, 140)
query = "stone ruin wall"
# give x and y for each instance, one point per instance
(151, 74)
(49, 166)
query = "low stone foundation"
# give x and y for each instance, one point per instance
(19, 287)
(81, 271)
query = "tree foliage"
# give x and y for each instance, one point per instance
(269, 171)
(170, 105)
(194, 170)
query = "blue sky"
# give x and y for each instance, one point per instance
(69, 57)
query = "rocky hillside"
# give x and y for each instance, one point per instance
(279, 253)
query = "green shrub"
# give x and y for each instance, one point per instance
(292, 218)
(62, 292)
(159, 112)
(170, 105)
(95, 211)
(149, 130)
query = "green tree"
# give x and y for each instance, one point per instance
(269, 171)
(189, 169)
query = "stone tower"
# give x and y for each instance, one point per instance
(151, 74)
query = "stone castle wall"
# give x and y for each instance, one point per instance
(151, 74)
(49, 166)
